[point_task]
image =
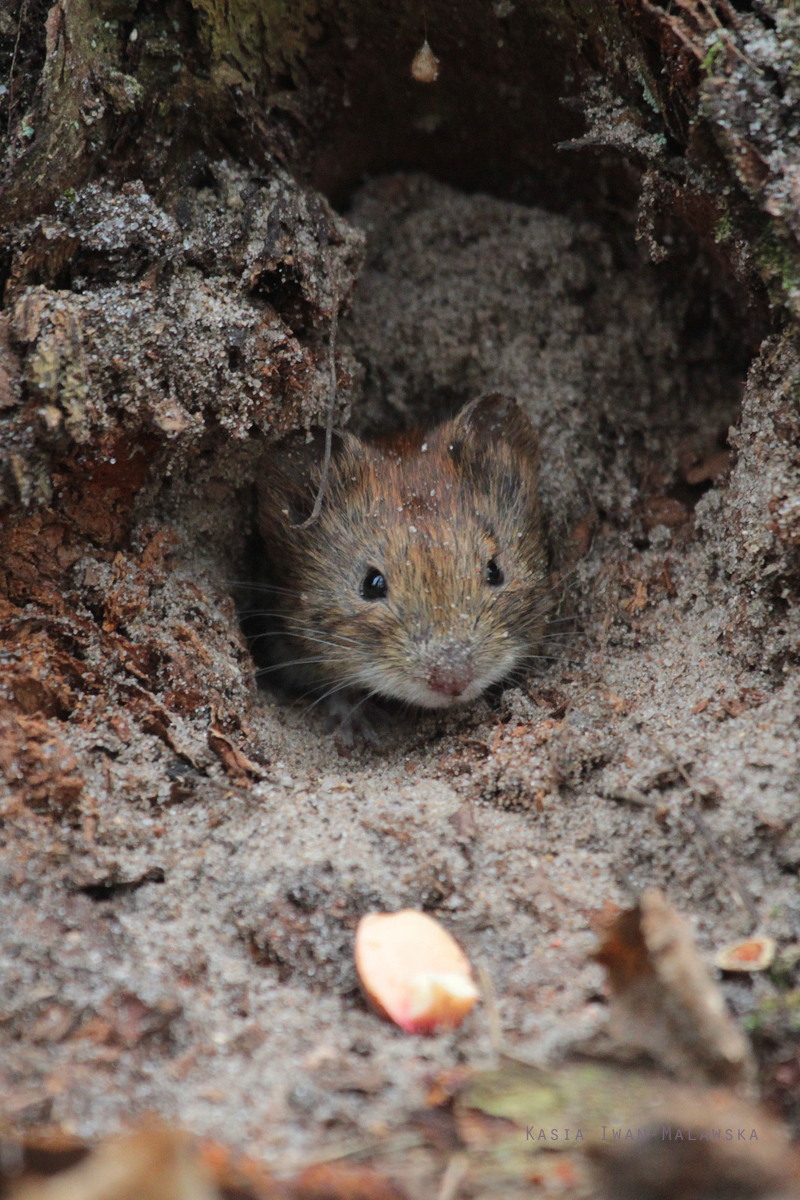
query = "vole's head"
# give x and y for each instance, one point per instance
(424, 577)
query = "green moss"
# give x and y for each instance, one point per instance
(775, 1016)
(786, 967)
(714, 50)
(780, 268)
(724, 229)
(247, 34)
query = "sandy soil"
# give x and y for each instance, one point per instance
(177, 931)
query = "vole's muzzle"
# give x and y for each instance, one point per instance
(449, 670)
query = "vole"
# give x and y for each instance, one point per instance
(423, 579)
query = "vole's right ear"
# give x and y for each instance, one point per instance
(486, 421)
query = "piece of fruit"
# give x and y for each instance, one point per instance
(413, 971)
(753, 954)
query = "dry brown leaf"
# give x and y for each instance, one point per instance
(712, 467)
(238, 1176)
(342, 1181)
(37, 764)
(39, 1153)
(663, 998)
(638, 600)
(663, 510)
(648, 1137)
(153, 1164)
(726, 1148)
(238, 766)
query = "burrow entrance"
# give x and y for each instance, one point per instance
(188, 859)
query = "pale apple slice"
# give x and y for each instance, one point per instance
(413, 971)
(755, 953)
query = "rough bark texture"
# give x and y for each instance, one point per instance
(184, 860)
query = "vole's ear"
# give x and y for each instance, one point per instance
(285, 482)
(289, 477)
(487, 421)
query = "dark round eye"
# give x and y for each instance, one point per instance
(494, 575)
(373, 586)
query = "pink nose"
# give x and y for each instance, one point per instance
(449, 682)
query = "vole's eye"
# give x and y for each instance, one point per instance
(494, 575)
(373, 585)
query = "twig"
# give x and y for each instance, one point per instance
(722, 858)
(679, 29)
(676, 25)
(631, 796)
(500, 1047)
(326, 461)
(354, 1149)
(492, 1011)
(730, 13)
(709, 8)
(454, 1174)
(740, 53)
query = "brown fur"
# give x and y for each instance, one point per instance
(428, 513)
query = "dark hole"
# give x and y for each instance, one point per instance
(110, 890)
(285, 295)
(46, 1160)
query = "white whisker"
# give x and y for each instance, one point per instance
(303, 636)
(296, 662)
(340, 687)
(300, 625)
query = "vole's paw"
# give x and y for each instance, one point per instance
(353, 720)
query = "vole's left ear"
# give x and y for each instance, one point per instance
(485, 422)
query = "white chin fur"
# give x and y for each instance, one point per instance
(415, 691)
(426, 697)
